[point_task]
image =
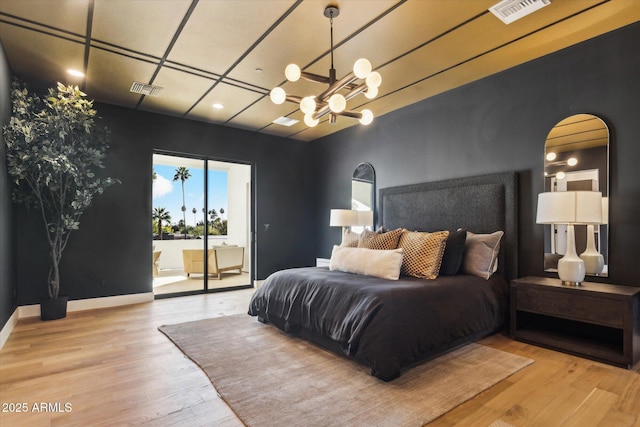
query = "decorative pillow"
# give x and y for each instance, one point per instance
(383, 241)
(349, 238)
(453, 253)
(481, 254)
(371, 262)
(422, 253)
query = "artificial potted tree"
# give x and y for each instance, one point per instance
(54, 151)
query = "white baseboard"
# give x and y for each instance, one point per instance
(8, 327)
(89, 304)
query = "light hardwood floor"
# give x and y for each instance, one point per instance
(114, 368)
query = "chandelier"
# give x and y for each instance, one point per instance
(331, 101)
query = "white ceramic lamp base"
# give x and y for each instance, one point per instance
(593, 260)
(571, 268)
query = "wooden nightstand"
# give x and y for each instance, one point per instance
(596, 320)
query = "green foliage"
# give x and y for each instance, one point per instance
(54, 152)
(218, 227)
(160, 215)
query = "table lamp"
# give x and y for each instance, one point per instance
(593, 259)
(343, 218)
(570, 208)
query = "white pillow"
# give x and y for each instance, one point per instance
(481, 254)
(371, 262)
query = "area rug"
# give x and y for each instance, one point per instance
(269, 378)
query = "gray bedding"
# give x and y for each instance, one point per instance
(387, 325)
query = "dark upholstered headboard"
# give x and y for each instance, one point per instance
(481, 204)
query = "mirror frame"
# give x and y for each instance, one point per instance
(572, 137)
(365, 172)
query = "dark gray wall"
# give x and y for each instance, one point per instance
(111, 253)
(497, 124)
(7, 284)
(500, 123)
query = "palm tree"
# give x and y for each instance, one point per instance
(194, 210)
(183, 174)
(161, 214)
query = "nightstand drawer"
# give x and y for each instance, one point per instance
(606, 312)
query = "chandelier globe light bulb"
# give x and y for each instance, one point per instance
(551, 156)
(310, 121)
(372, 92)
(362, 68)
(292, 72)
(337, 103)
(308, 105)
(572, 161)
(278, 95)
(374, 79)
(367, 117)
(560, 175)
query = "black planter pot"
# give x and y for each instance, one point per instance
(52, 309)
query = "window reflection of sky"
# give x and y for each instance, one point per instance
(168, 193)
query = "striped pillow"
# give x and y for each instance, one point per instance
(384, 241)
(422, 253)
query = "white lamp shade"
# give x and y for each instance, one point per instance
(374, 79)
(337, 103)
(365, 218)
(278, 95)
(308, 105)
(292, 72)
(362, 68)
(569, 207)
(367, 117)
(605, 210)
(371, 92)
(343, 218)
(310, 121)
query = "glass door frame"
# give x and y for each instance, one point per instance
(251, 222)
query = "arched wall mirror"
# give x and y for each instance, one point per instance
(363, 191)
(577, 159)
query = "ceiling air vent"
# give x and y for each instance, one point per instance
(285, 121)
(145, 89)
(512, 10)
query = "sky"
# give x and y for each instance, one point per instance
(168, 193)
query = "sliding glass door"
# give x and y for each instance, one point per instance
(201, 225)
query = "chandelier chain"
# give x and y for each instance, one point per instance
(331, 34)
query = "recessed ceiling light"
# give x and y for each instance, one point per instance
(218, 106)
(75, 73)
(285, 121)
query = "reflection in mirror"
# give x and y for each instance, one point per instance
(363, 192)
(577, 159)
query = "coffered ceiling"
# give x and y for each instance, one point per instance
(232, 52)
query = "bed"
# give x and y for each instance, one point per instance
(391, 325)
